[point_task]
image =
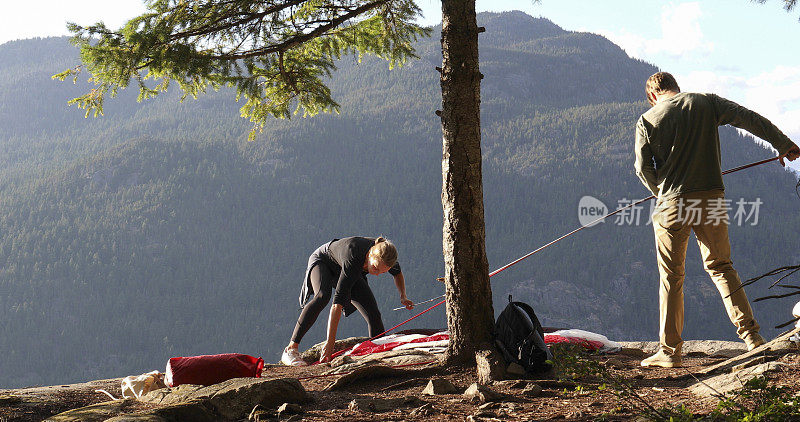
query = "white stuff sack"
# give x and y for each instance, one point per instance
(137, 386)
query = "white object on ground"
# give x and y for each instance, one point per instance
(137, 386)
(608, 345)
(796, 313)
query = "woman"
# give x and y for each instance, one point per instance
(342, 264)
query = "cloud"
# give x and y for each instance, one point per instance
(775, 94)
(680, 31)
(719, 83)
(681, 35)
(775, 91)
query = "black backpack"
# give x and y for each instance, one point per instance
(519, 336)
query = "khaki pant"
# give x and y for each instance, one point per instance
(706, 214)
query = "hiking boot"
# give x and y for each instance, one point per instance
(291, 357)
(753, 340)
(663, 360)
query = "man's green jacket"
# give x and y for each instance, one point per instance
(677, 142)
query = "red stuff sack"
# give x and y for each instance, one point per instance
(211, 369)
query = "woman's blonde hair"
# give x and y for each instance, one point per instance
(385, 251)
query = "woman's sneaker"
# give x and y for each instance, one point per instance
(291, 357)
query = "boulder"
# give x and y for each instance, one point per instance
(96, 412)
(477, 393)
(289, 409)
(438, 386)
(532, 390)
(180, 394)
(193, 411)
(234, 398)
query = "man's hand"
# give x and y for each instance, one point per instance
(327, 351)
(407, 303)
(792, 154)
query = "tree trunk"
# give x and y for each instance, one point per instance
(470, 317)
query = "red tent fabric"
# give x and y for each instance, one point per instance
(368, 347)
(212, 369)
(589, 344)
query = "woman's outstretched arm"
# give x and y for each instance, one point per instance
(333, 324)
(400, 282)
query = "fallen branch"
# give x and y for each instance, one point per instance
(792, 268)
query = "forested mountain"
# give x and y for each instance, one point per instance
(158, 230)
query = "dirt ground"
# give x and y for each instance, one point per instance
(583, 399)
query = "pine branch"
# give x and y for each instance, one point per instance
(211, 28)
(300, 39)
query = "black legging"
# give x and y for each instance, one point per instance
(323, 281)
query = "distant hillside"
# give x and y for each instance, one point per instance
(158, 230)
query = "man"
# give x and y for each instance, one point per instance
(678, 159)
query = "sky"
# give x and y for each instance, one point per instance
(739, 49)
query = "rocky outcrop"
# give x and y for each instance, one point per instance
(714, 348)
(725, 383)
(734, 373)
(95, 413)
(235, 398)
